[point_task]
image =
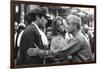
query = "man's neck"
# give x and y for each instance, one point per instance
(36, 22)
(76, 33)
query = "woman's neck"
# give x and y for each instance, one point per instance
(61, 34)
(76, 33)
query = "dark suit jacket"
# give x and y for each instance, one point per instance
(30, 37)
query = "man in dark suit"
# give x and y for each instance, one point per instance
(31, 38)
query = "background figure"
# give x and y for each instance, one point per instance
(49, 35)
(87, 34)
(15, 39)
(31, 38)
(18, 37)
(78, 47)
(19, 31)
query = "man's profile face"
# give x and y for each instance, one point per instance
(42, 22)
(85, 28)
(70, 25)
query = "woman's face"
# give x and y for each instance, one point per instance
(60, 26)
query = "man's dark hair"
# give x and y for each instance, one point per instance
(31, 15)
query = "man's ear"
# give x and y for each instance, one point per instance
(37, 17)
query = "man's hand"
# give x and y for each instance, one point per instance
(33, 51)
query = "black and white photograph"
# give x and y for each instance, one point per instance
(49, 34)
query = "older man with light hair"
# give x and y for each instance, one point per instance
(78, 46)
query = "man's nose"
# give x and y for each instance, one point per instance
(66, 27)
(44, 20)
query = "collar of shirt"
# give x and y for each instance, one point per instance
(43, 36)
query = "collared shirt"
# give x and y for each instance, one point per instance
(15, 37)
(57, 44)
(19, 38)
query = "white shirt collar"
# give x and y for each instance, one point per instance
(43, 36)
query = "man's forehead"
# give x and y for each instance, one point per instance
(73, 18)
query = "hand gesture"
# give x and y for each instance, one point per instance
(33, 51)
